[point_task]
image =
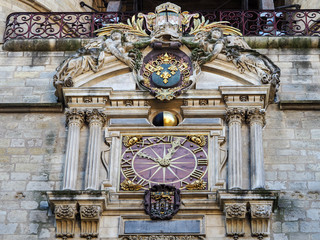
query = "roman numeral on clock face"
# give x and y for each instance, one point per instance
(203, 162)
(142, 182)
(199, 149)
(126, 162)
(129, 172)
(197, 174)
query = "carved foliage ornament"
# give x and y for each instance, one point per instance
(75, 116)
(256, 115)
(235, 114)
(237, 210)
(89, 211)
(162, 202)
(95, 116)
(261, 211)
(65, 211)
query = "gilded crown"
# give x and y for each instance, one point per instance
(168, 6)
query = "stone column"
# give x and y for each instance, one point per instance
(75, 120)
(96, 120)
(234, 118)
(257, 121)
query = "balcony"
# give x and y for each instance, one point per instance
(58, 25)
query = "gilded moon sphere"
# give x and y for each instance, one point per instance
(165, 118)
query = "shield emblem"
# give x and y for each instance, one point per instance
(162, 202)
(166, 74)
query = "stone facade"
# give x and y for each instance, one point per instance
(34, 148)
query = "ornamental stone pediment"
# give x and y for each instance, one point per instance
(166, 53)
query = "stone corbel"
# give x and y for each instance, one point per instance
(260, 213)
(235, 219)
(65, 220)
(74, 206)
(89, 217)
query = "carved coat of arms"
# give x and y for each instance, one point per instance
(165, 51)
(162, 202)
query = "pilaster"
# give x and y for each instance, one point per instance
(256, 120)
(234, 118)
(75, 119)
(96, 120)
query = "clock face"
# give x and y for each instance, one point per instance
(180, 161)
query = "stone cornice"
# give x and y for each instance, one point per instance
(299, 104)
(67, 44)
(31, 108)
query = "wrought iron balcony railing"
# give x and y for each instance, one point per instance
(82, 25)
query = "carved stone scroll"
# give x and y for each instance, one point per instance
(65, 220)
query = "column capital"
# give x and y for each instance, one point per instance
(235, 115)
(74, 116)
(256, 115)
(95, 116)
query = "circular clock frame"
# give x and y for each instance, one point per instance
(171, 159)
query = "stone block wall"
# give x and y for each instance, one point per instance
(27, 77)
(292, 163)
(32, 150)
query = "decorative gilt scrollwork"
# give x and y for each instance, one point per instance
(197, 185)
(129, 141)
(198, 139)
(128, 185)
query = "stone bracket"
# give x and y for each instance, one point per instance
(240, 205)
(72, 206)
(65, 215)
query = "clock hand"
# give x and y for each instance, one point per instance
(144, 155)
(174, 147)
